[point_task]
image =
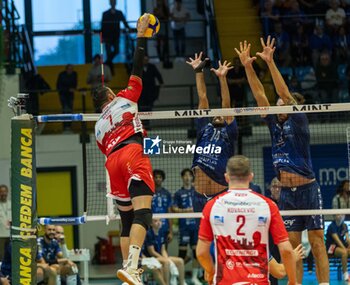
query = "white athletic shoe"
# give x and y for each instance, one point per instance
(130, 276)
(346, 276)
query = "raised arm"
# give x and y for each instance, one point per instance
(280, 85)
(221, 73)
(198, 64)
(253, 80)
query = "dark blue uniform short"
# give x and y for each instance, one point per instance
(305, 197)
(189, 236)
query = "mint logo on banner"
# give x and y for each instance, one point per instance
(151, 146)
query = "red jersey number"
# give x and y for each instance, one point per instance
(240, 220)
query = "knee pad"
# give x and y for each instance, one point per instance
(127, 218)
(143, 217)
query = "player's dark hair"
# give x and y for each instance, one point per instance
(4, 186)
(185, 170)
(159, 172)
(340, 188)
(100, 97)
(96, 56)
(298, 97)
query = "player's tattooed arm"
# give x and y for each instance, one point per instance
(280, 85)
(198, 65)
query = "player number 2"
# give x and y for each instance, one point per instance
(241, 221)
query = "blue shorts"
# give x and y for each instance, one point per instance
(305, 197)
(188, 236)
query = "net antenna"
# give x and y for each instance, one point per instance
(102, 67)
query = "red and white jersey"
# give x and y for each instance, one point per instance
(119, 119)
(239, 222)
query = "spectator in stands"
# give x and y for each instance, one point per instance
(161, 203)
(95, 75)
(319, 41)
(341, 200)
(59, 236)
(300, 50)
(161, 11)
(269, 16)
(282, 45)
(150, 90)
(110, 28)
(36, 85)
(49, 252)
(67, 82)
(275, 189)
(342, 45)
(180, 16)
(43, 273)
(338, 242)
(294, 85)
(294, 17)
(313, 7)
(188, 228)
(155, 247)
(236, 80)
(335, 16)
(327, 79)
(5, 218)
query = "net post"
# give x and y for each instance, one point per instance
(23, 202)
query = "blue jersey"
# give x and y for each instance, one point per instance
(214, 164)
(340, 230)
(183, 199)
(291, 145)
(161, 202)
(48, 251)
(152, 239)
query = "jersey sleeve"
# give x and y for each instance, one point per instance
(232, 130)
(134, 89)
(277, 229)
(205, 229)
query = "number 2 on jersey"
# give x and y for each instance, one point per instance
(241, 221)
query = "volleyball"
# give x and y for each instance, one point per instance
(153, 27)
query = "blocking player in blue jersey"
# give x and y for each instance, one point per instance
(290, 138)
(188, 228)
(161, 203)
(220, 132)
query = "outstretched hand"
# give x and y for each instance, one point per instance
(142, 25)
(222, 70)
(244, 54)
(197, 63)
(268, 49)
(299, 252)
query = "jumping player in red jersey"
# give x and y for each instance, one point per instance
(239, 222)
(119, 134)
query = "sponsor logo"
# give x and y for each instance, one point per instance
(289, 223)
(313, 107)
(332, 176)
(230, 264)
(190, 113)
(125, 106)
(218, 220)
(262, 220)
(241, 252)
(256, 275)
(241, 210)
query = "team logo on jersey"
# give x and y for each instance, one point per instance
(218, 220)
(151, 145)
(230, 264)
